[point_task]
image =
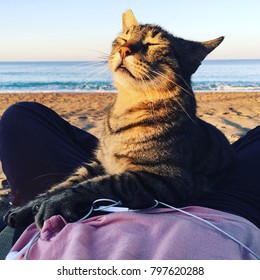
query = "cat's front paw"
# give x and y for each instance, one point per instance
(22, 216)
(69, 203)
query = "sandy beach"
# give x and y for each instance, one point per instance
(234, 113)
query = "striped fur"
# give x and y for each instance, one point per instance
(153, 144)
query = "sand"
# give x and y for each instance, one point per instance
(234, 113)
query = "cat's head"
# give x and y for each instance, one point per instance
(146, 56)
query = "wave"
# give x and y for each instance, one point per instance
(55, 86)
(107, 86)
(225, 86)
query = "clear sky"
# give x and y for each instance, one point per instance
(45, 30)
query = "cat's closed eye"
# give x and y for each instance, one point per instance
(148, 44)
(152, 44)
(122, 40)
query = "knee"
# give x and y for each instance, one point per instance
(16, 114)
(18, 110)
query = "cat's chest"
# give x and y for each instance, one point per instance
(119, 150)
(112, 155)
(130, 139)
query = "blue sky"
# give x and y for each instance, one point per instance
(45, 30)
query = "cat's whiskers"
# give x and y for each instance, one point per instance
(91, 75)
(185, 111)
(165, 77)
(59, 174)
(103, 54)
(157, 91)
(177, 101)
(102, 68)
(90, 62)
(142, 70)
(144, 76)
(158, 87)
(100, 65)
(147, 91)
(187, 85)
(182, 107)
(151, 84)
(172, 81)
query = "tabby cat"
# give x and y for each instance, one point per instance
(153, 145)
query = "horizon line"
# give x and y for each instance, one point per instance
(90, 60)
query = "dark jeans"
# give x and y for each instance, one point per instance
(38, 149)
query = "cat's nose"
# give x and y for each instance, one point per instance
(125, 51)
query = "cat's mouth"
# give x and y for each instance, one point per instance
(123, 69)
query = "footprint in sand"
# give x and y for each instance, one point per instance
(235, 111)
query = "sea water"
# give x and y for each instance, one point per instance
(227, 75)
(93, 76)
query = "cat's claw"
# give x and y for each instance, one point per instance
(9, 218)
(19, 216)
(69, 205)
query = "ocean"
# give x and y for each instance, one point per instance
(93, 76)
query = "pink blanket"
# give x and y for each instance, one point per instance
(150, 234)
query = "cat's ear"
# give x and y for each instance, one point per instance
(197, 51)
(207, 47)
(202, 50)
(128, 20)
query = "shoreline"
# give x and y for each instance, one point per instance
(234, 113)
(115, 91)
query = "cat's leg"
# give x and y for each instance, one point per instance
(85, 172)
(24, 215)
(133, 189)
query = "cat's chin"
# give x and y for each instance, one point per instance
(124, 78)
(127, 82)
(125, 72)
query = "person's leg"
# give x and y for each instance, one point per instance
(238, 192)
(38, 149)
(245, 174)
